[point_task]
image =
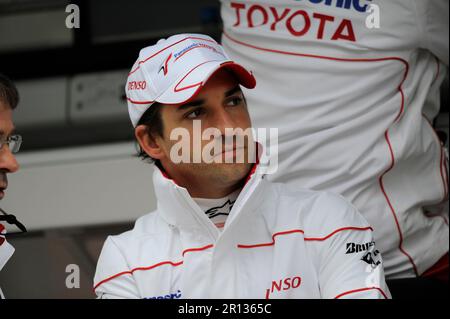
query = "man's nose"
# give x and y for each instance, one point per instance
(223, 120)
(8, 161)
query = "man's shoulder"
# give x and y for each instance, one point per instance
(318, 212)
(123, 252)
(145, 226)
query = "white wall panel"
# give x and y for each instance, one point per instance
(80, 186)
(98, 97)
(43, 102)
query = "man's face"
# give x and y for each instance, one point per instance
(219, 105)
(8, 163)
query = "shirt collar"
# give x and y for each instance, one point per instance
(177, 208)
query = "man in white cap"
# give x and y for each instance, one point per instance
(9, 144)
(221, 230)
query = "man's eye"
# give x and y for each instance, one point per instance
(235, 101)
(194, 114)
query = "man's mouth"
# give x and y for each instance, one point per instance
(3, 184)
(228, 151)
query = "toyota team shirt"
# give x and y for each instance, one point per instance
(353, 106)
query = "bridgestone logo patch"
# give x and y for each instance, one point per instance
(352, 248)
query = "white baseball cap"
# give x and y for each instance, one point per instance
(175, 69)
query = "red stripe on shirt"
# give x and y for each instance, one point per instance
(305, 238)
(130, 272)
(361, 289)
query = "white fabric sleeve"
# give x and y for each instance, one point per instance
(433, 16)
(354, 275)
(349, 264)
(113, 278)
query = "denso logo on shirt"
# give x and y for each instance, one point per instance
(176, 295)
(284, 285)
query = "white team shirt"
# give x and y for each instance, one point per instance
(353, 107)
(275, 244)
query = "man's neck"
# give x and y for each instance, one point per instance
(209, 190)
(200, 186)
(205, 193)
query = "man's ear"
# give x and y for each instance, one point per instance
(148, 142)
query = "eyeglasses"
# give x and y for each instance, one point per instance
(14, 142)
